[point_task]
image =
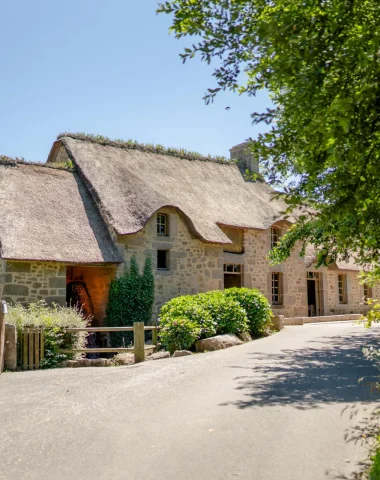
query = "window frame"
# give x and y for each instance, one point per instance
(277, 290)
(367, 292)
(164, 224)
(342, 289)
(166, 252)
(274, 236)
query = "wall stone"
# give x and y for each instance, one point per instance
(27, 282)
(194, 266)
(197, 267)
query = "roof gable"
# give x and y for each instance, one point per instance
(48, 214)
(130, 185)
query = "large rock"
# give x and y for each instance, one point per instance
(217, 343)
(88, 362)
(182, 353)
(159, 356)
(123, 359)
(245, 336)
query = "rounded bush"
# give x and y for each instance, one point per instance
(178, 333)
(256, 306)
(227, 313)
(187, 306)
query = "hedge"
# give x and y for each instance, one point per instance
(256, 307)
(234, 310)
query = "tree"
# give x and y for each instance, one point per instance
(320, 61)
(130, 300)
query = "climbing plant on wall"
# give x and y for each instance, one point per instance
(130, 300)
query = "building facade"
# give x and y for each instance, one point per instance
(68, 233)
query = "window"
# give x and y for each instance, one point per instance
(162, 224)
(232, 275)
(162, 259)
(274, 236)
(229, 268)
(276, 289)
(312, 275)
(342, 288)
(367, 291)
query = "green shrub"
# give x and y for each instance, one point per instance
(54, 320)
(130, 300)
(178, 333)
(227, 313)
(256, 307)
(188, 306)
(374, 474)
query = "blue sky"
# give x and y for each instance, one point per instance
(111, 68)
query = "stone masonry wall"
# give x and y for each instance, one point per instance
(355, 293)
(197, 267)
(193, 266)
(258, 272)
(26, 282)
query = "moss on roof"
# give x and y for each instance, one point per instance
(13, 161)
(144, 147)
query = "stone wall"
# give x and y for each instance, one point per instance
(193, 266)
(258, 273)
(355, 293)
(25, 282)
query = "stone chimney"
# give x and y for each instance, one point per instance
(246, 160)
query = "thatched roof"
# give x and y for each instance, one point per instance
(131, 185)
(48, 214)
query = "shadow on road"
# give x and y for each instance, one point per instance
(309, 377)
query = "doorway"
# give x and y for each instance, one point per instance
(313, 294)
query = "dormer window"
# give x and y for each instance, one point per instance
(274, 236)
(162, 224)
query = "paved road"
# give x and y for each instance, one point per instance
(276, 408)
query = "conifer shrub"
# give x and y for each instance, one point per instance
(130, 300)
(256, 306)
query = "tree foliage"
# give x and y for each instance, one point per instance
(130, 300)
(320, 61)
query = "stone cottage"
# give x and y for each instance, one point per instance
(66, 232)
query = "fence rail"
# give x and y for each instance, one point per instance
(138, 329)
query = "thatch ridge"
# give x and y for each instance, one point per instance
(13, 161)
(145, 147)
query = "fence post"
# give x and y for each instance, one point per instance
(155, 336)
(3, 311)
(25, 345)
(139, 341)
(42, 344)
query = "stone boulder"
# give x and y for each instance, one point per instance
(88, 362)
(158, 356)
(244, 337)
(217, 343)
(182, 353)
(123, 359)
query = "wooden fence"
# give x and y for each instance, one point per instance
(31, 347)
(3, 311)
(138, 329)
